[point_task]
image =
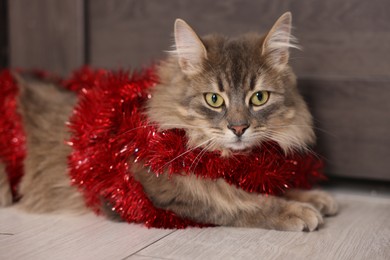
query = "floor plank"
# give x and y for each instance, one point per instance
(67, 237)
(360, 231)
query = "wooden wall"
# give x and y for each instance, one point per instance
(47, 34)
(339, 38)
(3, 34)
(344, 68)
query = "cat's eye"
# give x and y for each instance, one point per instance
(260, 98)
(214, 100)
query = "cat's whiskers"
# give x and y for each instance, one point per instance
(302, 125)
(184, 153)
(271, 133)
(294, 146)
(201, 154)
(260, 141)
(219, 133)
(181, 126)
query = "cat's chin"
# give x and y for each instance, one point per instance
(238, 146)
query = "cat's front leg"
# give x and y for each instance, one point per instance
(321, 200)
(216, 202)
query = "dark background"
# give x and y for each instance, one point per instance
(343, 70)
(3, 34)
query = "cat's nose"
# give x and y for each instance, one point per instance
(238, 130)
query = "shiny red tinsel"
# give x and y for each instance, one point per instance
(12, 137)
(109, 127)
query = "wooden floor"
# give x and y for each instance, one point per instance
(360, 231)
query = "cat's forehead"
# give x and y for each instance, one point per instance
(235, 64)
(246, 48)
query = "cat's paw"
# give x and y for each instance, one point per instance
(324, 202)
(321, 200)
(297, 216)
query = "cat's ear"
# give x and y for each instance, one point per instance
(189, 48)
(277, 42)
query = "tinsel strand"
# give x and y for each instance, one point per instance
(109, 127)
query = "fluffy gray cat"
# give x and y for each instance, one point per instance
(229, 94)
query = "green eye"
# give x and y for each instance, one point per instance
(260, 98)
(214, 100)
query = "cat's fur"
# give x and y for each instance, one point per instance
(233, 68)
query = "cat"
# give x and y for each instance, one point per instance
(230, 94)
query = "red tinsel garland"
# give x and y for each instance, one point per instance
(12, 136)
(109, 127)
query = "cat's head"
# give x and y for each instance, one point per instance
(232, 94)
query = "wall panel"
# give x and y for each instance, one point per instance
(47, 34)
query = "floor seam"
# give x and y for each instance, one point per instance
(139, 250)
